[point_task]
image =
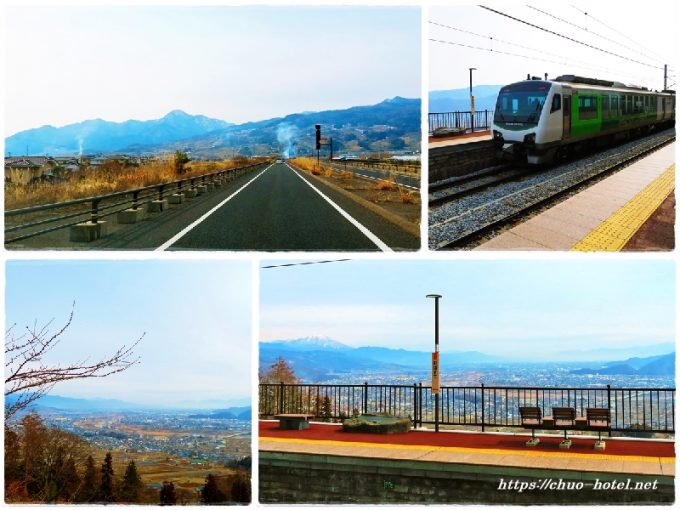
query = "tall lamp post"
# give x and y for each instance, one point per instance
(472, 103)
(435, 360)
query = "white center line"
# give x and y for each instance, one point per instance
(374, 239)
(177, 237)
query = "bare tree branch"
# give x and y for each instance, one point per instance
(28, 377)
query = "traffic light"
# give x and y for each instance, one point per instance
(318, 136)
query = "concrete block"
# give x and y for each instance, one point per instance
(210, 186)
(217, 183)
(176, 198)
(190, 193)
(599, 445)
(87, 232)
(130, 216)
(158, 205)
(565, 444)
(202, 188)
(533, 442)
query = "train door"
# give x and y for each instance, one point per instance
(566, 118)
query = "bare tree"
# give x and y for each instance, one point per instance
(28, 377)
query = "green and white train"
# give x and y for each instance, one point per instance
(544, 120)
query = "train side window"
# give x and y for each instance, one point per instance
(615, 105)
(605, 104)
(556, 103)
(587, 107)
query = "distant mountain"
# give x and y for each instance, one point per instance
(233, 413)
(651, 366)
(92, 136)
(458, 100)
(316, 360)
(611, 354)
(392, 125)
(56, 402)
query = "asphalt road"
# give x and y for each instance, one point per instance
(275, 209)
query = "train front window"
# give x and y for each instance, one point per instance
(521, 102)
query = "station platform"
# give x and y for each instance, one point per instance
(445, 141)
(606, 216)
(622, 455)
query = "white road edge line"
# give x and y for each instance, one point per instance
(182, 233)
(374, 239)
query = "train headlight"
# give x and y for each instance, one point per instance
(497, 136)
(530, 139)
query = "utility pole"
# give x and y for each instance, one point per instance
(435, 360)
(665, 76)
(472, 103)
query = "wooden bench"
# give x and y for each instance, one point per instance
(293, 421)
(564, 418)
(532, 418)
(599, 419)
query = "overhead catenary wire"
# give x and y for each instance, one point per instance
(528, 57)
(557, 34)
(619, 33)
(562, 59)
(310, 262)
(594, 33)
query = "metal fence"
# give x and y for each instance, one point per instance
(461, 120)
(25, 223)
(632, 409)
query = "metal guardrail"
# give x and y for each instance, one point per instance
(95, 208)
(483, 120)
(632, 409)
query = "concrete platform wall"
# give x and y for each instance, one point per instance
(458, 160)
(306, 478)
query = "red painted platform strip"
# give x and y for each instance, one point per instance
(471, 440)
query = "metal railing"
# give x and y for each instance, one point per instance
(632, 409)
(483, 120)
(92, 209)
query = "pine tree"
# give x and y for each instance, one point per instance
(132, 483)
(240, 489)
(326, 412)
(106, 485)
(68, 481)
(168, 496)
(88, 489)
(210, 493)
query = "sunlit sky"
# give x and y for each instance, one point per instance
(642, 31)
(235, 63)
(520, 309)
(196, 316)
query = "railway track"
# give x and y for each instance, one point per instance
(462, 186)
(460, 222)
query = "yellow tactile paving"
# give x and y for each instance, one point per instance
(614, 232)
(480, 451)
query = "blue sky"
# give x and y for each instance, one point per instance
(527, 309)
(196, 315)
(233, 63)
(644, 32)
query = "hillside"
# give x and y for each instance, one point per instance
(651, 366)
(392, 125)
(316, 360)
(458, 100)
(93, 136)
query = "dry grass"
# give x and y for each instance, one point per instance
(405, 196)
(109, 178)
(385, 185)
